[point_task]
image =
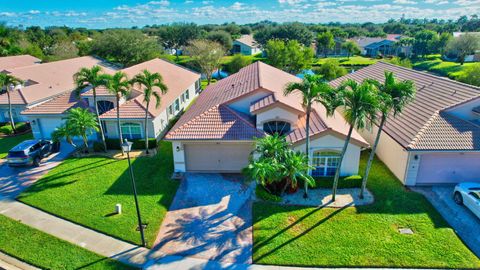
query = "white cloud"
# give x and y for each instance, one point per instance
(405, 2)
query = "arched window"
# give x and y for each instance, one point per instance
(131, 131)
(104, 106)
(325, 163)
(279, 127)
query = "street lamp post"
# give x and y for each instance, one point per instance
(126, 147)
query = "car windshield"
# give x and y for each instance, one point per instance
(16, 154)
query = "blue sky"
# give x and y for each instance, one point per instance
(127, 13)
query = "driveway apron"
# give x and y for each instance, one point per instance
(13, 180)
(210, 218)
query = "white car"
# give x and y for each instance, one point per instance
(468, 194)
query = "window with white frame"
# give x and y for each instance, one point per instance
(325, 163)
(131, 131)
(177, 105)
(170, 109)
(182, 98)
(277, 127)
(187, 95)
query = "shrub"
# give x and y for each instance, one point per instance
(7, 128)
(331, 70)
(238, 61)
(471, 75)
(261, 193)
(138, 144)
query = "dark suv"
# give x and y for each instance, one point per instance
(29, 152)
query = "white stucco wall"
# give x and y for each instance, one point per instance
(276, 113)
(329, 142)
(464, 111)
(243, 104)
(44, 125)
(247, 50)
(389, 152)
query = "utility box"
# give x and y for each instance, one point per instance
(118, 208)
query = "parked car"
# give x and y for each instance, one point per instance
(468, 194)
(29, 152)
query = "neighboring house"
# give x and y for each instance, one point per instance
(217, 133)
(336, 51)
(471, 57)
(436, 139)
(42, 82)
(246, 45)
(182, 86)
(9, 62)
(377, 46)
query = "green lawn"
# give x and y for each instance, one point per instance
(352, 61)
(365, 236)
(45, 251)
(7, 143)
(436, 65)
(85, 190)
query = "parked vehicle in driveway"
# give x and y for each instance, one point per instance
(468, 194)
(29, 152)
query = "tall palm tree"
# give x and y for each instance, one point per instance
(148, 82)
(61, 132)
(313, 90)
(119, 85)
(91, 77)
(9, 82)
(360, 104)
(81, 122)
(393, 97)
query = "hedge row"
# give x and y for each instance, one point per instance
(6, 128)
(114, 144)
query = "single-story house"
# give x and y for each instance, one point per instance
(336, 51)
(217, 133)
(375, 46)
(42, 82)
(246, 45)
(183, 86)
(436, 139)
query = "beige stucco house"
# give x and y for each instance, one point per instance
(217, 133)
(436, 139)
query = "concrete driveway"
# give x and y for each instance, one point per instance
(464, 222)
(14, 180)
(210, 218)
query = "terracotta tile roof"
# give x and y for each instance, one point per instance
(317, 125)
(57, 105)
(49, 79)
(248, 40)
(446, 132)
(16, 61)
(101, 91)
(433, 94)
(257, 76)
(177, 78)
(217, 123)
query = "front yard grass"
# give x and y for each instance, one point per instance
(7, 143)
(47, 252)
(435, 64)
(85, 190)
(364, 236)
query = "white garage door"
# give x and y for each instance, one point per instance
(217, 157)
(442, 168)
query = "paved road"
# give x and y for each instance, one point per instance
(210, 218)
(14, 180)
(466, 225)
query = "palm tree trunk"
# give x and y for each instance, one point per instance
(98, 119)
(307, 146)
(118, 123)
(85, 142)
(372, 155)
(146, 128)
(337, 173)
(10, 114)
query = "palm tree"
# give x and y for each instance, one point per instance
(61, 132)
(296, 168)
(359, 105)
(91, 77)
(393, 97)
(149, 81)
(313, 90)
(9, 82)
(119, 85)
(81, 122)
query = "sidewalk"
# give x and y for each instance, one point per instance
(10, 263)
(97, 242)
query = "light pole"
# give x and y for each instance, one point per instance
(126, 147)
